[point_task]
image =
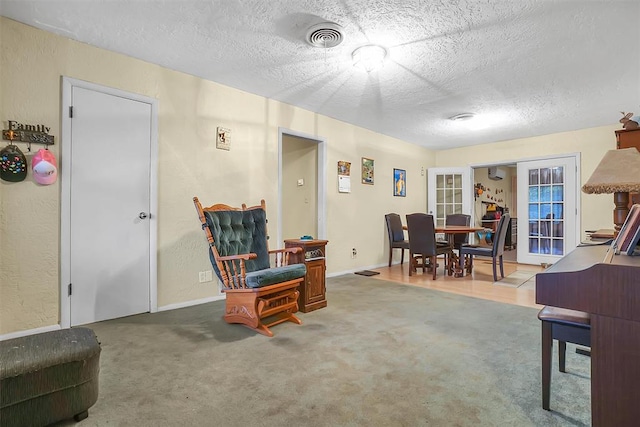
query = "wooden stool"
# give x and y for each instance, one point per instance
(565, 326)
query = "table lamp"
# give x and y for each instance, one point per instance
(617, 173)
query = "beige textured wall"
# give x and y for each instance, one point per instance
(356, 219)
(593, 143)
(32, 63)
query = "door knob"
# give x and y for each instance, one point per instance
(142, 215)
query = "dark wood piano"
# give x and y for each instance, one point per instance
(590, 279)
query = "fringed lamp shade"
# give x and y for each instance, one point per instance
(618, 173)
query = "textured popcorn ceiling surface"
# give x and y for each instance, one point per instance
(532, 67)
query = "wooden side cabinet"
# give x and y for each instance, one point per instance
(313, 289)
(627, 139)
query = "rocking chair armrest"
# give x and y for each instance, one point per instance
(281, 256)
(294, 250)
(245, 257)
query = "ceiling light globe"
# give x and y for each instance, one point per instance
(369, 58)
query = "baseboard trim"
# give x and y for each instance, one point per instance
(28, 332)
(34, 331)
(191, 303)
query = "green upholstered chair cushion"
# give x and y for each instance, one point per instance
(242, 232)
(271, 276)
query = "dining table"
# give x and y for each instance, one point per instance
(450, 231)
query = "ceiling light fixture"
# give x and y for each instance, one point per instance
(369, 58)
(472, 121)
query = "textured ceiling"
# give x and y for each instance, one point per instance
(532, 67)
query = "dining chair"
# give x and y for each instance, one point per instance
(495, 251)
(565, 326)
(459, 239)
(396, 235)
(423, 245)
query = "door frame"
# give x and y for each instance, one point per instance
(321, 181)
(575, 155)
(65, 192)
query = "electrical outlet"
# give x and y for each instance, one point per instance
(354, 253)
(208, 275)
(202, 276)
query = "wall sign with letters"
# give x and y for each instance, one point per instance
(22, 132)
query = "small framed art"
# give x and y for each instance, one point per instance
(399, 182)
(344, 178)
(367, 171)
(223, 139)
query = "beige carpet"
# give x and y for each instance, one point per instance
(518, 279)
(379, 355)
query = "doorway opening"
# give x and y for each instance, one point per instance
(301, 185)
(495, 190)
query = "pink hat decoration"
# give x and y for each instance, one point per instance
(45, 167)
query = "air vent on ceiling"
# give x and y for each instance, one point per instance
(325, 34)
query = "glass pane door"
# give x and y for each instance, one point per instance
(546, 210)
(547, 188)
(449, 193)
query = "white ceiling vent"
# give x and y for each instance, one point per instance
(325, 34)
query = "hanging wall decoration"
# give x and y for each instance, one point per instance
(223, 138)
(13, 164)
(45, 167)
(344, 177)
(31, 134)
(367, 171)
(399, 182)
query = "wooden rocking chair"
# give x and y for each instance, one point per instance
(257, 294)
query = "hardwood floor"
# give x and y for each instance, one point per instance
(478, 285)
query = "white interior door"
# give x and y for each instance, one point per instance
(109, 173)
(548, 221)
(449, 193)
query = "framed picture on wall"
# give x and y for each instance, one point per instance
(344, 178)
(399, 182)
(223, 139)
(367, 171)
(344, 168)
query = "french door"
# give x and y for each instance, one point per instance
(449, 193)
(549, 222)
